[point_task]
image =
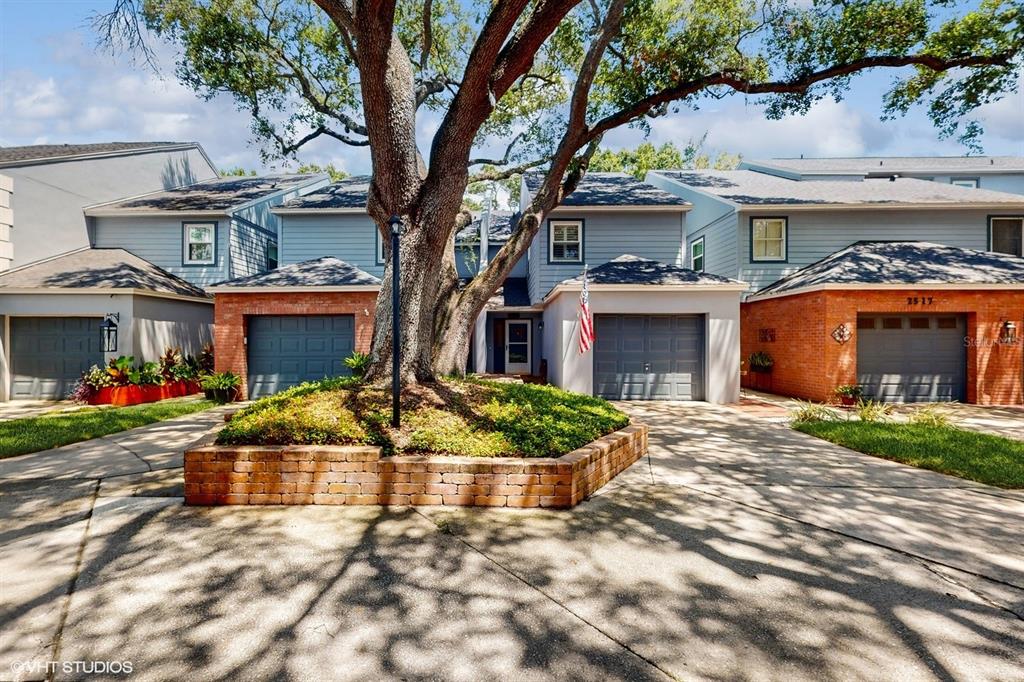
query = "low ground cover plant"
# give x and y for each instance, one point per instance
(454, 416)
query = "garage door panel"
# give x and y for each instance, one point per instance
(288, 350)
(48, 354)
(649, 357)
(916, 362)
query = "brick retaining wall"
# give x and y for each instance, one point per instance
(323, 474)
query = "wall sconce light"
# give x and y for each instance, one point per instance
(1008, 333)
(108, 332)
(540, 325)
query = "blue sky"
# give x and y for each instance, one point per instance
(55, 87)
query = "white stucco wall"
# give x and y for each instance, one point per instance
(575, 372)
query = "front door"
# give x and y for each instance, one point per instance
(517, 346)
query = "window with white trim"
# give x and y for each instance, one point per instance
(768, 239)
(697, 254)
(566, 245)
(381, 256)
(965, 182)
(1006, 234)
(200, 240)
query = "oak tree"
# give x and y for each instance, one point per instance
(540, 82)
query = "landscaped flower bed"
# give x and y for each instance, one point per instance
(124, 383)
(452, 417)
(462, 443)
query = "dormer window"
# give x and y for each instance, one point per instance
(566, 241)
(1006, 235)
(768, 237)
(200, 243)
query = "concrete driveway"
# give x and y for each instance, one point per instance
(738, 550)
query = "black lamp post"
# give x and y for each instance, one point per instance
(396, 385)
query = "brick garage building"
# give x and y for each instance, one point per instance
(908, 321)
(297, 323)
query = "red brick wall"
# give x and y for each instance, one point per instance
(810, 364)
(310, 474)
(232, 310)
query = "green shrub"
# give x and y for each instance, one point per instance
(807, 412)
(931, 415)
(221, 381)
(358, 363)
(874, 411)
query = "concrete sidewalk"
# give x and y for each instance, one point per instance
(738, 549)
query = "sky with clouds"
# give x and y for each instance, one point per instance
(55, 87)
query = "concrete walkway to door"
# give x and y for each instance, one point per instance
(737, 550)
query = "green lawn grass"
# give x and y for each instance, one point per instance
(975, 456)
(32, 434)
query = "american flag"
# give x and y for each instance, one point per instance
(586, 319)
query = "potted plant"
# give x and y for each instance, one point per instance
(761, 365)
(93, 387)
(848, 394)
(222, 387)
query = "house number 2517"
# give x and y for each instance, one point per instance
(919, 300)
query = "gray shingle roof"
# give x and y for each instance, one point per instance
(97, 269)
(897, 164)
(210, 195)
(751, 188)
(499, 230)
(913, 263)
(41, 152)
(320, 272)
(629, 269)
(349, 193)
(611, 189)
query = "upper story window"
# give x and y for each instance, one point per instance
(965, 182)
(271, 255)
(200, 243)
(566, 245)
(697, 254)
(381, 256)
(768, 239)
(1006, 235)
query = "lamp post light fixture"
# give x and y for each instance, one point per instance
(108, 332)
(1009, 332)
(396, 385)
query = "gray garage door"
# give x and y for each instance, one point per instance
(649, 357)
(48, 354)
(285, 350)
(912, 358)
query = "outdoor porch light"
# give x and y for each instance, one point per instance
(1009, 332)
(108, 332)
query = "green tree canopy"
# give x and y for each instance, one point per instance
(535, 84)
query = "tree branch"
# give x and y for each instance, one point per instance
(798, 85)
(503, 161)
(505, 173)
(428, 34)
